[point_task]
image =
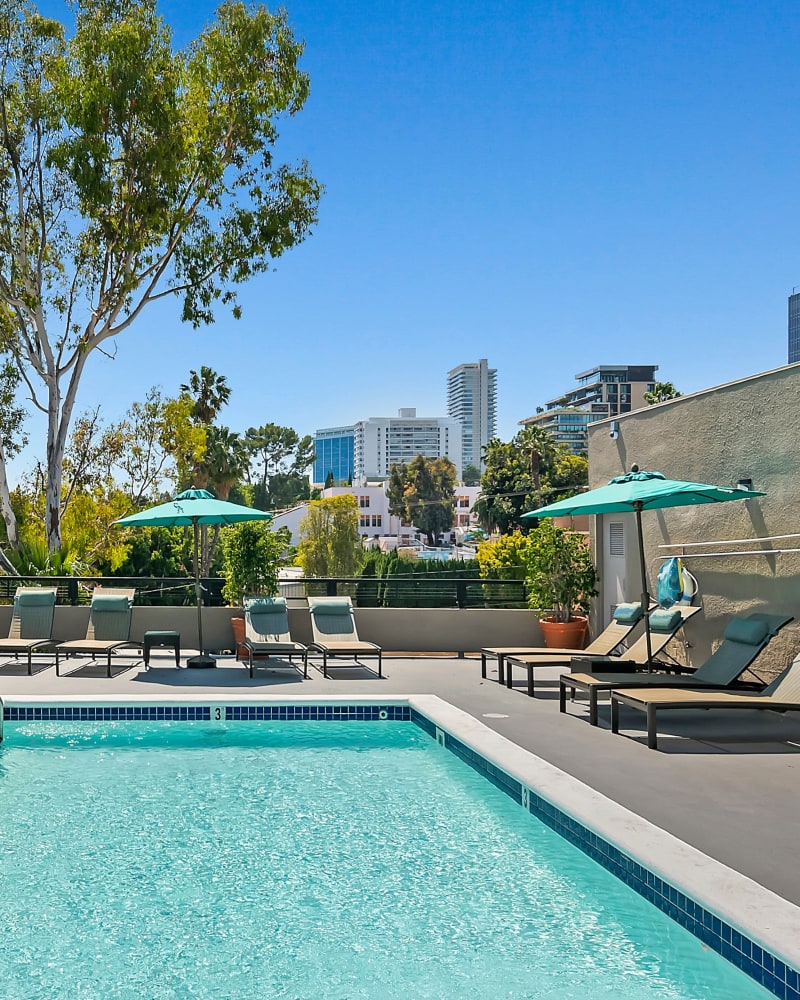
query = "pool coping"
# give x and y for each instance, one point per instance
(743, 908)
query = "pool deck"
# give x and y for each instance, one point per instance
(725, 783)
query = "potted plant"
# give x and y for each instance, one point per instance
(560, 579)
(251, 555)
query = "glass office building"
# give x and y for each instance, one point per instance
(334, 448)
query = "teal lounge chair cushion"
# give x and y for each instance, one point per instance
(35, 598)
(265, 605)
(343, 607)
(109, 603)
(747, 630)
(627, 614)
(662, 620)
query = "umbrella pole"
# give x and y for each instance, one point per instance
(201, 660)
(645, 596)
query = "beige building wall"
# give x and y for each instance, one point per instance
(749, 428)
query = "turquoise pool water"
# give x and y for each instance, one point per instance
(300, 860)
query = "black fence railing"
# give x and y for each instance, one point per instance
(409, 591)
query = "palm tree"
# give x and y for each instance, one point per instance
(539, 446)
(227, 459)
(210, 392)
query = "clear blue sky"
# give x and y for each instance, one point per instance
(549, 185)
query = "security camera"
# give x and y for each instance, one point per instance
(613, 432)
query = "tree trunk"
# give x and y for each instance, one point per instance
(5, 504)
(59, 417)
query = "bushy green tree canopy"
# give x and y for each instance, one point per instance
(330, 544)
(131, 171)
(422, 494)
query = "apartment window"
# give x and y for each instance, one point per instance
(363, 502)
(376, 520)
(363, 521)
(463, 501)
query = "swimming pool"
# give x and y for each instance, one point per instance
(264, 854)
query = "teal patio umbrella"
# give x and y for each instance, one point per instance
(634, 492)
(194, 507)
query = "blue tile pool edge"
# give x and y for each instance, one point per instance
(753, 959)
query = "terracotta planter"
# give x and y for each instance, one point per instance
(237, 624)
(566, 635)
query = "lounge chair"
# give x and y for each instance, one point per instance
(663, 626)
(334, 628)
(782, 695)
(267, 633)
(109, 627)
(31, 626)
(624, 620)
(743, 640)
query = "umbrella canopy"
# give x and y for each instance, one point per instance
(195, 508)
(637, 491)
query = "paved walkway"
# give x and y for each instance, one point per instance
(726, 783)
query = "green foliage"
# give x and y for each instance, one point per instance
(226, 459)
(570, 473)
(161, 443)
(151, 552)
(33, 558)
(12, 417)
(422, 494)
(251, 555)
(389, 580)
(560, 573)
(660, 393)
(506, 489)
(503, 558)
(470, 475)
(130, 172)
(279, 459)
(209, 392)
(521, 475)
(330, 544)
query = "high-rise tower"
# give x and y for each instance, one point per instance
(472, 401)
(794, 327)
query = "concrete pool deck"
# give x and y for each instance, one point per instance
(724, 783)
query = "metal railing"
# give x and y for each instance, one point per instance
(400, 591)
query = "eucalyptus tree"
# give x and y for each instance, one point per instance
(131, 172)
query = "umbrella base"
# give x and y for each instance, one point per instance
(201, 662)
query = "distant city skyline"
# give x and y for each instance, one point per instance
(555, 182)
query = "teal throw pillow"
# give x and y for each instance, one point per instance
(662, 620)
(746, 630)
(628, 614)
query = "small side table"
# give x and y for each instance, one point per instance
(169, 639)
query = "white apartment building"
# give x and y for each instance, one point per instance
(374, 519)
(382, 441)
(472, 401)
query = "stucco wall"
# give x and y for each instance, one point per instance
(398, 629)
(747, 428)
